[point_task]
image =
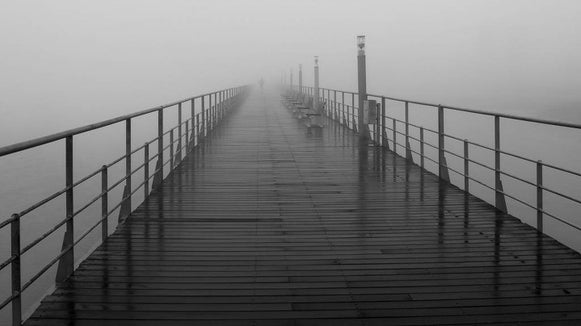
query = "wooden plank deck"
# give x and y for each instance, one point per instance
(266, 225)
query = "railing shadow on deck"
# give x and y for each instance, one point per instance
(431, 148)
(186, 135)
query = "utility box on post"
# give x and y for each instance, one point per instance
(370, 111)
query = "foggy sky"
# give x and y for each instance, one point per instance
(91, 60)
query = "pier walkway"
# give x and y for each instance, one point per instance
(265, 224)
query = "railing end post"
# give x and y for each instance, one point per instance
(15, 270)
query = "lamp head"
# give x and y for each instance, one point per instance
(361, 43)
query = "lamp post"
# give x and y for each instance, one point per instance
(316, 93)
(362, 82)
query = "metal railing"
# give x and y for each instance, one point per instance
(213, 107)
(341, 107)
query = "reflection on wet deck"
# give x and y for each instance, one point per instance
(268, 225)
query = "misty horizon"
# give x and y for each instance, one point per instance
(93, 61)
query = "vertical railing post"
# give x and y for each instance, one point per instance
(218, 107)
(329, 105)
(179, 150)
(209, 115)
(160, 145)
(104, 203)
(382, 134)
(343, 109)
(203, 116)
(215, 111)
(422, 155)
(442, 165)
(221, 111)
(67, 261)
(193, 114)
(354, 123)
(15, 270)
(394, 135)
(377, 125)
(466, 167)
(145, 170)
(540, 196)
(171, 157)
(197, 139)
(408, 150)
(335, 106)
(499, 201)
(187, 136)
(128, 163)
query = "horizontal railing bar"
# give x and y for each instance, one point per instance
(151, 176)
(479, 145)
(47, 139)
(493, 114)
(506, 116)
(9, 299)
(481, 183)
(7, 221)
(42, 202)
(61, 192)
(124, 178)
(561, 169)
(46, 267)
(517, 178)
(44, 235)
(502, 172)
(560, 194)
(480, 112)
(517, 199)
(123, 199)
(7, 262)
(76, 131)
(122, 157)
(561, 220)
(82, 236)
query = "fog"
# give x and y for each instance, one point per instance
(66, 63)
(69, 63)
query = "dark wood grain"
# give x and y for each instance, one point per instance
(265, 224)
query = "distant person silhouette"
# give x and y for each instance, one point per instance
(261, 83)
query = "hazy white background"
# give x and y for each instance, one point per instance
(65, 63)
(68, 63)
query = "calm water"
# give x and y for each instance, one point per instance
(35, 174)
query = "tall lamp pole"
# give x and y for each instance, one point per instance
(316, 93)
(362, 81)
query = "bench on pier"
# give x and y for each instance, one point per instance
(303, 108)
(290, 100)
(300, 110)
(315, 118)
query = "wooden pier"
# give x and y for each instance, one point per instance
(266, 224)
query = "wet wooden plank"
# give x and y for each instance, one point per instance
(266, 225)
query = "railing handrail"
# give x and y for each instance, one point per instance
(381, 138)
(461, 109)
(212, 114)
(17, 147)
